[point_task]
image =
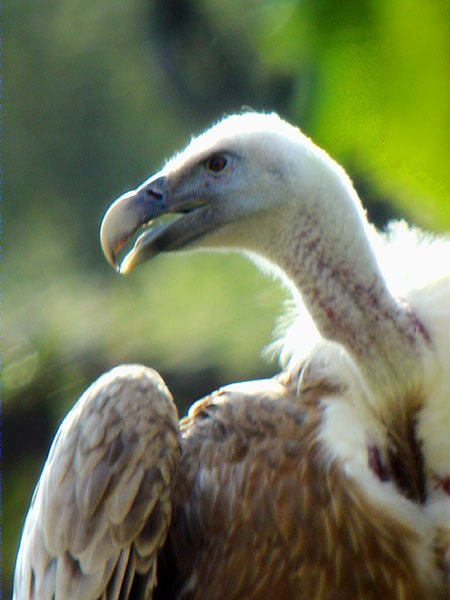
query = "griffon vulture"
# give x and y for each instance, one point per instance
(329, 482)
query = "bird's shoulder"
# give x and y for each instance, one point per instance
(240, 422)
(250, 456)
(258, 478)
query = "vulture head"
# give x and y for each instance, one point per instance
(255, 183)
(246, 183)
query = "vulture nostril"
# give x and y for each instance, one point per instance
(155, 190)
(154, 194)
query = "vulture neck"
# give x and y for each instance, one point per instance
(324, 250)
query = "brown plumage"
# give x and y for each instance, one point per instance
(260, 512)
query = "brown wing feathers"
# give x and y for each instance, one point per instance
(259, 512)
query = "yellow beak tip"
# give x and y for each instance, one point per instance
(126, 265)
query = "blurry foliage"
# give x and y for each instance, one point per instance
(97, 94)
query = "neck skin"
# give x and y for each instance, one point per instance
(323, 248)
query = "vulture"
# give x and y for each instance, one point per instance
(330, 481)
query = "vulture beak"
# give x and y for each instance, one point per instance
(139, 208)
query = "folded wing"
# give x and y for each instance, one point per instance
(102, 507)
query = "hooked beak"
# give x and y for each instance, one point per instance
(139, 208)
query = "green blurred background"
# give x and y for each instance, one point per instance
(98, 94)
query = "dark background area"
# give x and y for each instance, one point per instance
(98, 94)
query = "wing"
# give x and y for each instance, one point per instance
(239, 494)
(102, 506)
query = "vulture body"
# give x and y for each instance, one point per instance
(331, 481)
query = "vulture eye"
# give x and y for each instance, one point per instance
(216, 163)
